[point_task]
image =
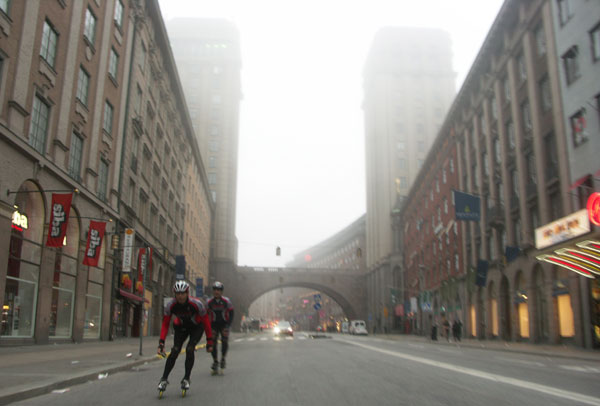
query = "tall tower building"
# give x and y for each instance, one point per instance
(408, 85)
(207, 53)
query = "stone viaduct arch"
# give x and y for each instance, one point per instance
(246, 284)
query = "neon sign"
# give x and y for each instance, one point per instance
(593, 208)
(19, 221)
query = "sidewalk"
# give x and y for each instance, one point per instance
(548, 350)
(30, 371)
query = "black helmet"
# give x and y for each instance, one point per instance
(218, 285)
(181, 286)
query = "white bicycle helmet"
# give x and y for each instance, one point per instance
(218, 285)
(181, 286)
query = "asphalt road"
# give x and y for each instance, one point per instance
(345, 370)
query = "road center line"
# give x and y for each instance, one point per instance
(572, 396)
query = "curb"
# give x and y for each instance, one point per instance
(73, 380)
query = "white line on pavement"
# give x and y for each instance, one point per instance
(581, 368)
(416, 346)
(237, 340)
(289, 338)
(572, 396)
(263, 339)
(520, 361)
(252, 339)
(302, 338)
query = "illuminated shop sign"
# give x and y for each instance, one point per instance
(563, 229)
(593, 208)
(583, 258)
(19, 221)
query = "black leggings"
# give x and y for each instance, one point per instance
(216, 331)
(181, 334)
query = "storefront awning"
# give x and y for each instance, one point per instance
(583, 258)
(131, 296)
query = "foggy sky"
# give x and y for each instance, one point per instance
(301, 146)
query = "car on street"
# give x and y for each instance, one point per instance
(283, 327)
(358, 327)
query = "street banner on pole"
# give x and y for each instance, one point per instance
(128, 249)
(482, 268)
(466, 207)
(59, 219)
(180, 267)
(94, 243)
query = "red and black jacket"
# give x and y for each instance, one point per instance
(190, 314)
(220, 311)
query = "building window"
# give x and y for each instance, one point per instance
(595, 39)
(510, 135)
(522, 68)
(138, 100)
(402, 163)
(482, 124)
(113, 63)
(515, 182)
(540, 40)
(444, 176)
(531, 172)
(550, 150)
(119, 14)
(419, 163)
(421, 146)
(214, 195)
(89, 32)
(517, 231)
(38, 128)
(401, 146)
(102, 179)
(4, 4)
(445, 205)
(142, 57)
(555, 206)
(506, 85)
(494, 108)
(403, 182)
(75, 154)
(571, 65)
(49, 41)
(213, 146)
(108, 118)
(497, 151)
(212, 162)
(83, 84)
(578, 128)
(526, 114)
(451, 165)
(564, 11)
(545, 94)
(212, 178)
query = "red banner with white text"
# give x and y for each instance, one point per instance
(59, 219)
(94, 243)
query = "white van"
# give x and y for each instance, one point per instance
(358, 327)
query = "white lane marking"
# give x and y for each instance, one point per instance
(289, 338)
(581, 368)
(252, 339)
(416, 346)
(520, 361)
(263, 339)
(572, 396)
(237, 340)
(302, 338)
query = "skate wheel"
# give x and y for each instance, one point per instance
(160, 393)
(183, 393)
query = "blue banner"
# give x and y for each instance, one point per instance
(199, 287)
(482, 269)
(467, 207)
(179, 267)
(511, 253)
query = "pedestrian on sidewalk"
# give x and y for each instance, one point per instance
(434, 328)
(190, 319)
(456, 329)
(220, 310)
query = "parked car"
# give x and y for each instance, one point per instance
(358, 327)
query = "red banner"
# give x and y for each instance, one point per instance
(94, 243)
(141, 266)
(59, 218)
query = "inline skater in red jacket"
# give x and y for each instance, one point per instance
(190, 319)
